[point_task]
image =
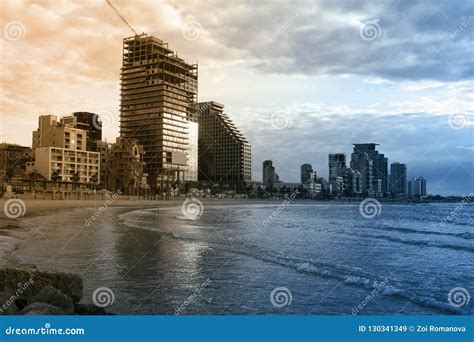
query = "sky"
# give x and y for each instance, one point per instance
(301, 79)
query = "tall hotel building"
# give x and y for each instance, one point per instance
(158, 98)
(225, 156)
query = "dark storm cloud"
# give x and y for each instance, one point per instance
(415, 39)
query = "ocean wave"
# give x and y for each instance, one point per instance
(464, 235)
(427, 243)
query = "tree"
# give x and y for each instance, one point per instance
(55, 176)
(75, 179)
(93, 179)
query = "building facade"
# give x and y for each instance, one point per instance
(417, 188)
(125, 167)
(373, 167)
(92, 124)
(60, 152)
(225, 156)
(337, 165)
(398, 180)
(13, 159)
(158, 97)
(306, 173)
(268, 174)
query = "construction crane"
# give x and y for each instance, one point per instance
(121, 17)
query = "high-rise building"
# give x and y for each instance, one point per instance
(158, 97)
(337, 165)
(92, 124)
(60, 152)
(373, 166)
(268, 173)
(352, 182)
(307, 173)
(225, 156)
(398, 180)
(417, 188)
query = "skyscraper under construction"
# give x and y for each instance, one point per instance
(158, 97)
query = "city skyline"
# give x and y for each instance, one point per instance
(322, 107)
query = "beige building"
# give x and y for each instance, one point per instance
(60, 150)
(125, 167)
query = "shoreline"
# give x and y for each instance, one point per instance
(34, 207)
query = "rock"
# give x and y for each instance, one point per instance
(41, 309)
(88, 309)
(30, 281)
(53, 296)
(7, 304)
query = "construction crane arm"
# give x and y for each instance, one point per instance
(121, 17)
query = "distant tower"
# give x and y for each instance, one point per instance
(268, 173)
(398, 180)
(337, 165)
(307, 173)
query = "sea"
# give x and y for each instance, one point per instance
(258, 258)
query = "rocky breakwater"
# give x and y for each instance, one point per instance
(28, 291)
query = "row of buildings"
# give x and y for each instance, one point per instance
(166, 136)
(367, 174)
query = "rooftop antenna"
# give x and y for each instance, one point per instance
(121, 17)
